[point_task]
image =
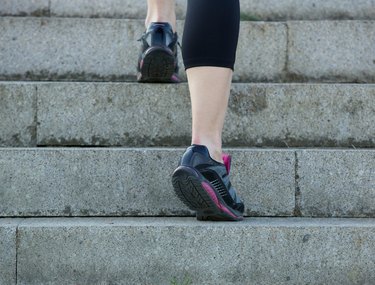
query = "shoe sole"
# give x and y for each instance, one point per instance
(199, 195)
(157, 65)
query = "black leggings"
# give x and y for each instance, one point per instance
(211, 33)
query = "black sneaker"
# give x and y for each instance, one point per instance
(158, 58)
(203, 185)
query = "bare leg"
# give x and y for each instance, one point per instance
(209, 48)
(209, 92)
(161, 11)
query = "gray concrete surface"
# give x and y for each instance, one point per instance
(342, 51)
(79, 49)
(70, 49)
(116, 114)
(155, 251)
(24, 8)
(308, 10)
(338, 183)
(113, 114)
(155, 115)
(129, 9)
(122, 182)
(251, 9)
(261, 52)
(17, 114)
(302, 115)
(131, 182)
(8, 251)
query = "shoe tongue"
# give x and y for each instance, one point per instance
(227, 161)
(159, 25)
(162, 34)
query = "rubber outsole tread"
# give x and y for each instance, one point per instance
(189, 194)
(157, 66)
(189, 190)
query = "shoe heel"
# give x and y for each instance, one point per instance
(158, 65)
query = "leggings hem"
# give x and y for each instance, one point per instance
(208, 62)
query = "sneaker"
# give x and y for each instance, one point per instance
(203, 185)
(158, 58)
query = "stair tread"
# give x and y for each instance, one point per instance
(155, 222)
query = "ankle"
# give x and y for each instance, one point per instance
(213, 148)
(216, 154)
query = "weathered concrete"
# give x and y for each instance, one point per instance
(8, 251)
(155, 251)
(79, 49)
(24, 8)
(301, 115)
(261, 52)
(251, 9)
(159, 115)
(280, 10)
(69, 49)
(131, 182)
(128, 9)
(337, 183)
(145, 115)
(113, 114)
(17, 114)
(341, 51)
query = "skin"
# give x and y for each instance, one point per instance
(209, 92)
(161, 11)
(209, 89)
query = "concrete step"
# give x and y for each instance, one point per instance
(270, 10)
(131, 114)
(8, 263)
(107, 50)
(159, 250)
(136, 182)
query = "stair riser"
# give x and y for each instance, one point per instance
(8, 251)
(18, 115)
(136, 182)
(97, 114)
(79, 49)
(336, 183)
(154, 252)
(120, 182)
(251, 9)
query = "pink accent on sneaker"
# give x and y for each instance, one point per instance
(227, 161)
(214, 198)
(175, 78)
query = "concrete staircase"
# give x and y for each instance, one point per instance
(86, 153)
